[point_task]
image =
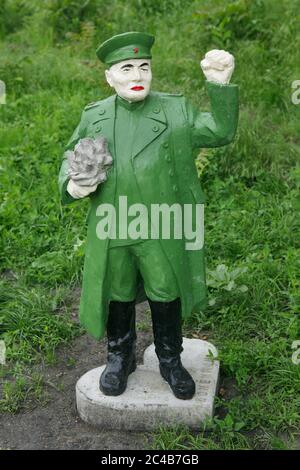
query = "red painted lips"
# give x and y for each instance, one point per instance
(137, 88)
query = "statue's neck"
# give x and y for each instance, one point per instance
(130, 105)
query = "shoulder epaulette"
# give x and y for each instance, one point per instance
(173, 94)
(91, 105)
(165, 95)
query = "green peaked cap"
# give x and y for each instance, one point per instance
(132, 45)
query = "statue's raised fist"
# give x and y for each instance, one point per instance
(218, 66)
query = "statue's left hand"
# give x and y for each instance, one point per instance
(218, 66)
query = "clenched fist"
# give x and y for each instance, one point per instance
(218, 66)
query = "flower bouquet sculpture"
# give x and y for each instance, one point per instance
(88, 164)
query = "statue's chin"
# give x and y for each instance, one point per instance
(134, 97)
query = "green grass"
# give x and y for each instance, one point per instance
(23, 389)
(48, 63)
(33, 322)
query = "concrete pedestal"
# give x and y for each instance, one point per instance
(148, 400)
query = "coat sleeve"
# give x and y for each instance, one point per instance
(218, 127)
(63, 178)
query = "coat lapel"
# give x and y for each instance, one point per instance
(152, 124)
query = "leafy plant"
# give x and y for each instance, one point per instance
(222, 278)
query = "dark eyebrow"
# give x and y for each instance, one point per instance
(126, 66)
(145, 63)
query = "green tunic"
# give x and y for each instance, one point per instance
(127, 118)
(168, 130)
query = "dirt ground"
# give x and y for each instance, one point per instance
(56, 424)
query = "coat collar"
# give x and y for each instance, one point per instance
(152, 121)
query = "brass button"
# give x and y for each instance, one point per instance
(155, 128)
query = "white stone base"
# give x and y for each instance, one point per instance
(148, 400)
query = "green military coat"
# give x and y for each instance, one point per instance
(162, 156)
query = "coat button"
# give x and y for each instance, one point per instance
(156, 110)
(101, 112)
(165, 145)
(167, 157)
(171, 172)
(98, 128)
(155, 128)
(175, 188)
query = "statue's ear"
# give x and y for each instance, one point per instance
(108, 77)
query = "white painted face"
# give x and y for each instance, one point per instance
(130, 78)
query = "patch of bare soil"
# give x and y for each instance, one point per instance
(56, 424)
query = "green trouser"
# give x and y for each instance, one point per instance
(147, 258)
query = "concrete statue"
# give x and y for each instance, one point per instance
(133, 152)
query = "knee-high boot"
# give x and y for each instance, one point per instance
(166, 321)
(121, 340)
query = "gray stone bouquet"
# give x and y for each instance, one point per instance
(89, 162)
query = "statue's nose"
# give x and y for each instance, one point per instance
(137, 74)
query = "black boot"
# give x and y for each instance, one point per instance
(121, 338)
(166, 320)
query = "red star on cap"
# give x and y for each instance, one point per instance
(136, 50)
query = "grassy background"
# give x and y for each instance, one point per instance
(47, 61)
